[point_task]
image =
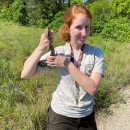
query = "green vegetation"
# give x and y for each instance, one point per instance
(110, 17)
(24, 103)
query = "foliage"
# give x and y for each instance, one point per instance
(6, 13)
(117, 29)
(90, 1)
(57, 21)
(20, 99)
(121, 7)
(42, 23)
(18, 11)
(101, 13)
(24, 103)
(6, 3)
(45, 10)
(74, 2)
(49, 9)
(48, 13)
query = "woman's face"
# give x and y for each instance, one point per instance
(80, 29)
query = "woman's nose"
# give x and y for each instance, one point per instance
(85, 31)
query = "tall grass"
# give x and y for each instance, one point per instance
(24, 103)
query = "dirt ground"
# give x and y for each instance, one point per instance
(119, 119)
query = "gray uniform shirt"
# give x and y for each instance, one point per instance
(64, 96)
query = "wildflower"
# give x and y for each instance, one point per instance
(9, 85)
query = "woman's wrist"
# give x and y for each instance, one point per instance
(41, 48)
(66, 63)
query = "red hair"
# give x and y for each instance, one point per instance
(71, 14)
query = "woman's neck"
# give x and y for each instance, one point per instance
(76, 47)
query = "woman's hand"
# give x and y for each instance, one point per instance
(58, 61)
(45, 41)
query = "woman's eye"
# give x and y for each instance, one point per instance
(87, 26)
(79, 27)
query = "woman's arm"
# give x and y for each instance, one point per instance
(89, 84)
(30, 65)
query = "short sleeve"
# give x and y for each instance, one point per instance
(99, 61)
(46, 68)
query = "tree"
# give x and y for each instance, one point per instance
(74, 2)
(90, 1)
(18, 11)
(101, 13)
(121, 7)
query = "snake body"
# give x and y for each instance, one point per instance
(51, 48)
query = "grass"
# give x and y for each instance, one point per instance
(24, 103)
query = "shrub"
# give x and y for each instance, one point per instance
(5, 13)
(121, 7)
(18, 11)
(35, 15)
(57, 21)
(101, 13)
(42, 23)
(74, 2)
(117, 29)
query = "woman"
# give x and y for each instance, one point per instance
(80, 69)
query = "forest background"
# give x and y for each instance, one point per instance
(24, 103)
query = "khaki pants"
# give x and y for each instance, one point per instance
(60, 122)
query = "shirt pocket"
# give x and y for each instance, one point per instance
(88, 69)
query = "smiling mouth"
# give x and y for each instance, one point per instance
(82, 38)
